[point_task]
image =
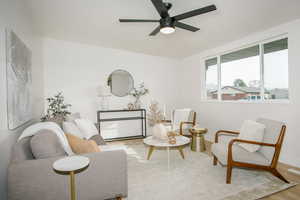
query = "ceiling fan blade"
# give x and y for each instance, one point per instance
(186, 27)
(195, 12)
(155, 31)
(161, 8)
(138, 20)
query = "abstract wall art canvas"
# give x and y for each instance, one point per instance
(19, 81)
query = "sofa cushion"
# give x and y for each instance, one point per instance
(45, 144)
(36, 127)
(22, 151)
(81, 146)
(239, 154)
(98, 139)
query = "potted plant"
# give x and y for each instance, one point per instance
(57, 110)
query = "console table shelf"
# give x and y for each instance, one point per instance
(120, 116)
(120, 119)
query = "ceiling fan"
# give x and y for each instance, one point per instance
(167, 23)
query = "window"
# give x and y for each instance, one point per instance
(255, 73)
(276, 69)
(211, 78)
(239, 70)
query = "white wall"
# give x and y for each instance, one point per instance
(14, 15)
(78, 70)
(225, 115)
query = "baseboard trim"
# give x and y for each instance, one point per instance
(297, 172)
(289, 168)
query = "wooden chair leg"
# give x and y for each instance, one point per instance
(229, 172)
(215, 160)
(278, 175)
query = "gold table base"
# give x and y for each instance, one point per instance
(151, 149)
(200, 139)
(72, 179)
(72, 186)
(198, 142)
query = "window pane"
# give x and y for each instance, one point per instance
(211, 78)
(240, 75)
(276, 69)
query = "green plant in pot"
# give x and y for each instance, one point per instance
(57, 110)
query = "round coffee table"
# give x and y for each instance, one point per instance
(70, 166)
(153, 143)
(198, 143)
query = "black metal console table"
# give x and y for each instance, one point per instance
(141, 116)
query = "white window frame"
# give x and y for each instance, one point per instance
(261, 63)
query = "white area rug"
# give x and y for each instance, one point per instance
(194, 178)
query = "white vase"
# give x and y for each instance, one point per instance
(160, 132)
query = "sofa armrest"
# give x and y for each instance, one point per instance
(105, 178)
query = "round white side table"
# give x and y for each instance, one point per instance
(70, 166)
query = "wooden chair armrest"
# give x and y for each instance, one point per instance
(251, 142)
(244, 141)
(218, 133)
(181, 126)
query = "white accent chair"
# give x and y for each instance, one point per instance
(227, 153)
(181, 121)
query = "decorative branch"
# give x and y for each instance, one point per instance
(155, 115)
(139, 91)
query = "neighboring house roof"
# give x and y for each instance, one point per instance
(249, 89)
(238, 90)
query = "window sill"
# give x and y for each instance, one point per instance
(248, 102)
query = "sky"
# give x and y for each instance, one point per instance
(248, 69)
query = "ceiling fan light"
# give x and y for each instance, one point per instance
(167, 30)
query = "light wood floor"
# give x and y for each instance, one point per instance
(289, 194)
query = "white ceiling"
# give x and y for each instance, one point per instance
(96, 22)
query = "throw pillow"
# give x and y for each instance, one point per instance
(252, 131)
(81, 146)
(45, 144)
(98, 139)
(87, 128)
(72, 128)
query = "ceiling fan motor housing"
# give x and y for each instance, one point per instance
(167, 22)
